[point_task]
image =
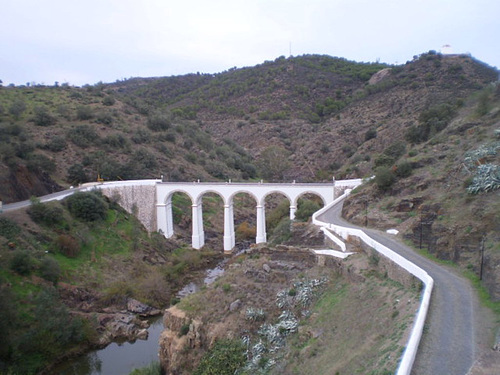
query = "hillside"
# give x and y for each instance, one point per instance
(305, 118)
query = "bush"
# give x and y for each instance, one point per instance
(76, 174)
(21, 263)
(384, 178)
(245, 232)
(87, 206)
(154, 368)
(105, 118)
(305, 209)
(282, 232)
(83, 135)
(84, 112)
(50, 270)
(56, 144)
(46, 213)
(68, 245)
(159, 121)
(43, 117)
(370, 134)
(404, 169)
(224, 358)
(431, 122)
(8, 228)
(41, 163)
(108, 100)
(17, 108)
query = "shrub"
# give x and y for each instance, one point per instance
(76, 174)
(68, 245)
(83, 135)
(108, 100)
(224, 358)
(403, 169)
(41, 163)
(384, 178)
(43, 117)
(8, 228)
(305, 209)
(87, 206)
(84, 112)
(245, 232)
(154, 368)
(431, 122)
(21, 263)
(17, 108)
(46, 213)
(50, 270)
(370, 134)
(282, 232)
(56, 144)
(159, 121)
(105, 118)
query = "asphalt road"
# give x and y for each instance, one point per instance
(448, 344)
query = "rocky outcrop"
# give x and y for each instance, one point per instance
(121, 326)
(180, 334)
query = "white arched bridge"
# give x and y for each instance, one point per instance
(227, 191)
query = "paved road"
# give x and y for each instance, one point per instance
(449, 342)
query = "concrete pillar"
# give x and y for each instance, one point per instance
(198, 236)
(261, 225)
(292, 212)
(170, 218)
(229, 238)
(161, 219)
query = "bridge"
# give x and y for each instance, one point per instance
(151, 201)
(259, 191)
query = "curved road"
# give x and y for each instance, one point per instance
(448, 344)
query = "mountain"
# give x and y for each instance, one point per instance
(421, 128)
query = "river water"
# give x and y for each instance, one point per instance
(122, 358)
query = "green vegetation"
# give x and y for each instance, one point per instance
(154, 368)
(224, 358)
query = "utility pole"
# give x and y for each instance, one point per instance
(481, 262)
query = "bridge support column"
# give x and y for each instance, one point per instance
(261, 225)
(292, 212)
(229, 238)
(164, 219)
(198, 237)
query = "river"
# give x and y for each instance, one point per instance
(122, 358)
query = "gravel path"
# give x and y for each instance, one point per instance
(450, 342)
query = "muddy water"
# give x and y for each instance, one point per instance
(122, 358)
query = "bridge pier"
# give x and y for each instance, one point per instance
(229, 237)
(198, 237)
(292, 212)
(261, 224)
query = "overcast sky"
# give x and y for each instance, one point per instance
(87, 41)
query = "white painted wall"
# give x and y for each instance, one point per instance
(410, 353)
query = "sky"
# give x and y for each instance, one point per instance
(87, 41)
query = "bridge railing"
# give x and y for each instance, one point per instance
(410, 352)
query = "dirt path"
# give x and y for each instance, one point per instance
(456, 332)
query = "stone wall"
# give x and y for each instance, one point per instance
(142, 196)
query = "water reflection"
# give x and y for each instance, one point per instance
(117, 358)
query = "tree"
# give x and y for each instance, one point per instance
(273, 163)
(87, 206)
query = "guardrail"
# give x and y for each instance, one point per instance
(410, 352)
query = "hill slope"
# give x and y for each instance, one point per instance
(304, 118)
